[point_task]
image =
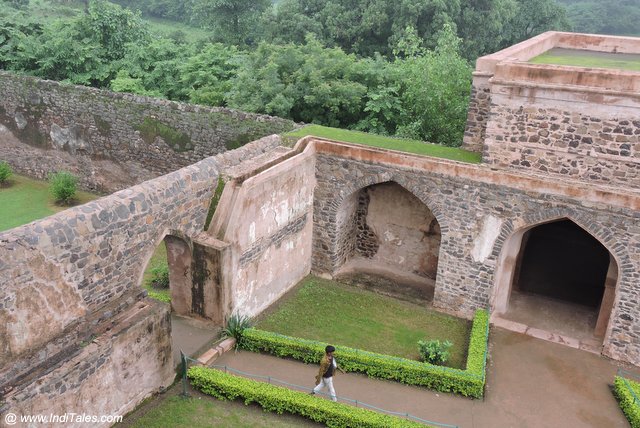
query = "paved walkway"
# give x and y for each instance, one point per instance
(191, 336)
(530, 383)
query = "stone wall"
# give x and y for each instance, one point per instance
(478, 113)
(565, 121)
(109, 375)
(598, 143)
(265, 216)
(478, 211)
(114, 140)
(395, 229)
(67, 278)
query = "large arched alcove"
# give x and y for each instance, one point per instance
(557, 277)
(389, 240)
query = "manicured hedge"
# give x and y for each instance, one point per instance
(278, 399)
(631, 408)
(469, 382)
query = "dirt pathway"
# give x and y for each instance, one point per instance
(531, 383)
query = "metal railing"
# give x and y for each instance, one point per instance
(272, 380)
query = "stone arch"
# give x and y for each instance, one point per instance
(401, 260)
(509, 244)
(352, 187)
(336, 255)
(179, 259)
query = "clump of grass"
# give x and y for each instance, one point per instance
(63, 186)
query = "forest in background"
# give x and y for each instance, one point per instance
(400, 68)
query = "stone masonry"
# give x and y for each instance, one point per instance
(74, 322)
(114, 140)
(553, 120)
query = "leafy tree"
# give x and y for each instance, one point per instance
(534, 17)
(207, 76)
(5, 172)
(61, 53)
(307, 83)
(232, 21)
(434, 89)
(604, 17)
(112, 28)
(153, 69)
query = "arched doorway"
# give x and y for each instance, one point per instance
(187, 274)
(555, 277)
(390, 241)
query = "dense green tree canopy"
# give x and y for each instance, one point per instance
(395, 68)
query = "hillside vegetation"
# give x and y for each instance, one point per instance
(392, 68)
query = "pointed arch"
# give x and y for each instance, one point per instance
(509, 248)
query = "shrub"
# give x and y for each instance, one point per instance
(469, 382)
(5, 172)
(160, 276)
(278, 399)
(626, 392)
(434, 351)
(236, 325)
(63, 186)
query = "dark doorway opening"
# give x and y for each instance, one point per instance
(562, 261)
(562, 284)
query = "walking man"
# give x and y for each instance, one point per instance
(328, 366)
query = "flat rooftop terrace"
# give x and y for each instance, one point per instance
(604, 64)
(590, 59)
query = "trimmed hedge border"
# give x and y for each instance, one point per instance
(623, 389)
(469, 382)
(279, 399)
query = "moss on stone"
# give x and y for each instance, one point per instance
(152, 128)
(217, 194)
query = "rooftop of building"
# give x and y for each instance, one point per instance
(557, 58)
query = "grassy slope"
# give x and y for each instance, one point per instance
(586, 61)
(26, 200)
(344, 315)
(410, 146)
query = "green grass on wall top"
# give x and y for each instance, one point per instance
(373, 140)
(582, 58)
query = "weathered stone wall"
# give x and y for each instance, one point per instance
(478, 113)
(108, 376)
(66, 278)
(478, 210)
(560, 136)
(269, 230)
(93, 132)
(563, 121)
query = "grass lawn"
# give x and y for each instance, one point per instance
(24, 200)
(158, 258)
(345, 315)
(409, 146)
(202, 411)
(582, 58)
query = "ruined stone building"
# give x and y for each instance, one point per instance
(544, 232)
